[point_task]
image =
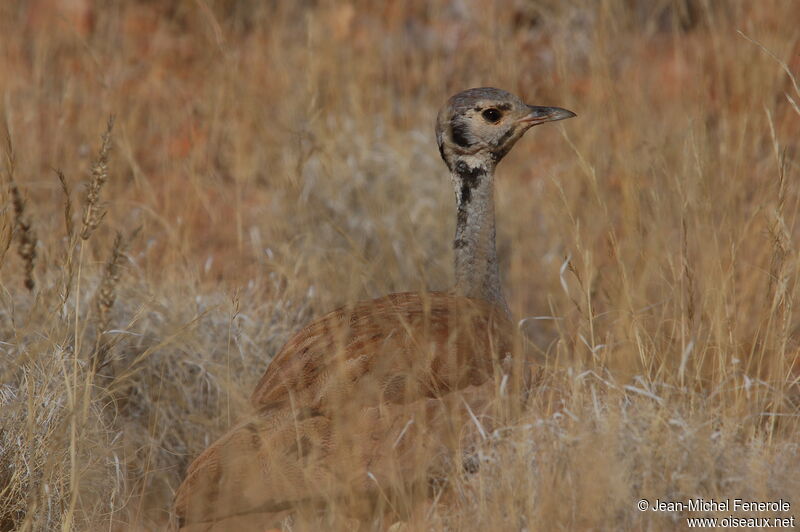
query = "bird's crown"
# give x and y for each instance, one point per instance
(485, 123)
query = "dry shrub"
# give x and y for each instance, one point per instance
(278, 159)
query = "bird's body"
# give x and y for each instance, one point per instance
(334, 407)
(395, 349)
(370, 400)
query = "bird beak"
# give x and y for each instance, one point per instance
(540, 115)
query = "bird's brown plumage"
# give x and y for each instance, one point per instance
(348, 407)
(367, 403)
(398, 348)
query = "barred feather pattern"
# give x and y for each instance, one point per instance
(368, 399)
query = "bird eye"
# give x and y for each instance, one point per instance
(492, 115)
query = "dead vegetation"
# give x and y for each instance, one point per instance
(269, 163)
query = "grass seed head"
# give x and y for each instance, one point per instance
(93, 211)
(25, 232)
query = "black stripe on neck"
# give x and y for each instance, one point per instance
(470, 178)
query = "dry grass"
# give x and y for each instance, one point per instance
(279, 161)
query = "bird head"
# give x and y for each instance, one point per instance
(484, 124)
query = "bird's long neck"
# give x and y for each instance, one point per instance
(476, 269)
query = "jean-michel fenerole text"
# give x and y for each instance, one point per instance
(721, 505)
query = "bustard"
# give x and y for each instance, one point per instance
(360, 403)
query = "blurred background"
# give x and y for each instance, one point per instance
(272, 160)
